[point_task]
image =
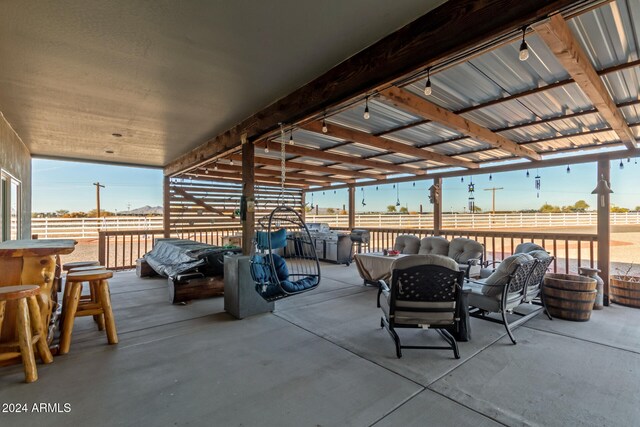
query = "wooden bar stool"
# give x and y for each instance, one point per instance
(76, 267)
(101, 307)
(93, 292)
(28, 320)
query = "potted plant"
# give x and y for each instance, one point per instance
(625, 288)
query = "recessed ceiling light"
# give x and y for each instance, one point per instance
(108, 151)
(117, 135)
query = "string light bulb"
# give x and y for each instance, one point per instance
(427, 86)
(490, 177)
(215, 166)
(568, 169)
(524, 48)
(266, 147)
(291, 138)
(231, 162)
(366, 114)
(325, 129)
(527, 173)
(621, 165)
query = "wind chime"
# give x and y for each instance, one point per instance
(363, 203)
(537, 183)
(398, 195)
(472, 200)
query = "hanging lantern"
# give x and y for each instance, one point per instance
(537, 184)
(601, 189)
(472, 201)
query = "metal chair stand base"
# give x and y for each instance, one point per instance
(446, 335)
(482, 314)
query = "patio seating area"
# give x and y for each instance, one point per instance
(322, 359)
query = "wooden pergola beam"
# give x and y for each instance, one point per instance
(272, 173)
(365, 138)
(415, 104)
(558, 37)
(268, 161)
(453, 27)
(559, 161)
(237, 178)
(342, 158)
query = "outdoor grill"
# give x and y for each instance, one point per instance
(360, 238)
(330, 245)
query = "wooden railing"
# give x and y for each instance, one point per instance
(119, 250)
(570, 250)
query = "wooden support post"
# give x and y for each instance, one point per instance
(437, 207)
(166, 207)
(604, 228)
(248, 195)
(352, 207)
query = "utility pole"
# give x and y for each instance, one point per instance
(493, 197)
(98, 186)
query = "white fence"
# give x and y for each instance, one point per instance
(476, 221)
(82, 228)
(79, 228)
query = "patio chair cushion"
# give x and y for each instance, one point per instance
(462, 250)
(491, 303)
(500, 276)
(407, 244)
(436, 245)
(540, 254)
(415, 260)
(526, 247)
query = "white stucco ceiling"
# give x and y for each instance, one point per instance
(168, 74)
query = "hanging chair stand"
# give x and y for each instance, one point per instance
(283, 261)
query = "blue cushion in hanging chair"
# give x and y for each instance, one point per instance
(261, 268)
(299, 285)
(278, 239)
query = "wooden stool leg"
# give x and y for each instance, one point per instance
(69, 317)
(24, 340)
(95, 297)
(105, 301)
(36, 324)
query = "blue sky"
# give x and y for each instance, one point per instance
(68, 185)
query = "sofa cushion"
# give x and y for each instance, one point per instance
(496, 281)
(436, 245)
(462, 249)
(527, 247)
(407, 244)
(476, 298)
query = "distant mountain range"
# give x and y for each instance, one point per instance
(145, 210)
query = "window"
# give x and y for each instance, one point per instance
(10, 195)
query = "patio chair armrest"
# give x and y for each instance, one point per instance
(483, 283)
(383, 286)
(474, 261)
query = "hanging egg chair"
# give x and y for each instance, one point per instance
(283, 259)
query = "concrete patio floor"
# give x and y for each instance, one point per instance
(321, 359)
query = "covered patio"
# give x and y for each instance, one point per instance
(321, 359)
(450, 89)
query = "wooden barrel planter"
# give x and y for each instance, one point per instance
(569, 296)
(625, 290)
